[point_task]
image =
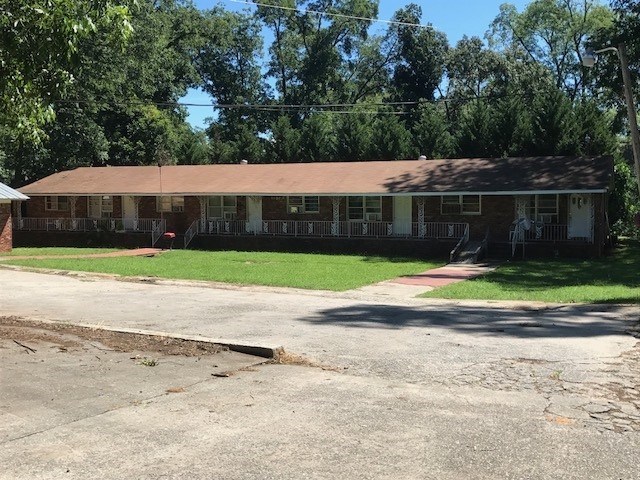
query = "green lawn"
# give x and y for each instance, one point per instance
(23, 251)
(312, 271)
(611, 279)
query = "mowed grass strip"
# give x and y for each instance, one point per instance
(309, 271)
(57, 251)
(614, 278)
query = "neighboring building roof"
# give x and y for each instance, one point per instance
(425, 177)
(8, 193)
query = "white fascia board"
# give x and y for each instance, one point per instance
(324, 194)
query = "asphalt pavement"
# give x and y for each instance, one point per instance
(405, 388)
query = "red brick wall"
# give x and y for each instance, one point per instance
(497, 213)
(35, 208)
(5, 227)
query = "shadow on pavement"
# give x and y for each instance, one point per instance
(579, 321)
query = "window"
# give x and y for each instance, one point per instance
(170, 204)
(365, 208)
(543, 208)
(222, 207)
(107, 204)
(100, 206)
(301, 204)
(460, 205)
(56, 203)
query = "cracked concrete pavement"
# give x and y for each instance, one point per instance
(529, 392)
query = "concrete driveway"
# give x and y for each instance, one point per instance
(411, 389)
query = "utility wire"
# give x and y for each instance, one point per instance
(341, 15)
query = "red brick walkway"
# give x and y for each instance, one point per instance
(446, 275)
(136, 252)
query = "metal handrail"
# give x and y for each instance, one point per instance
(461, 243)
(191, 232)
(158, 231)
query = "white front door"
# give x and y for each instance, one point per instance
(254, 214)
(128, 212)
(580, 216)
(402, 215)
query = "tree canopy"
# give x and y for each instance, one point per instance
(288, 85)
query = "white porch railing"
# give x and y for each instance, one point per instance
(297, 228)
(545, 232)
(144, 225)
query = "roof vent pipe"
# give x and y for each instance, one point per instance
(244, 162)
(422, 157)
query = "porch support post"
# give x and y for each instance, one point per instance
(72, 212)
(522, 202)
(592, 215)
(17, 208)
(72, 207)
(422, 228)
(335, 226)
(136, 210)
(203, 211)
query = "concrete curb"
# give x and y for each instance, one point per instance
(272, 353)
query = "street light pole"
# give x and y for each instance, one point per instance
(588, 61)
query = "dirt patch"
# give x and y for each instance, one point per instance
(28, 332)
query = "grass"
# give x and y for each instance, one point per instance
(24, 251)
(309, 271)
(611, 279)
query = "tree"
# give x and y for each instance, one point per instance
(284, 146)
(392, 140)
(421, 57)
(553, 33)
(431, 134)
(39, 50)
(121, 106)
(355, 137)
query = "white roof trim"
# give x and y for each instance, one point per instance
(323, 194)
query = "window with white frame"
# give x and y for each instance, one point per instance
(543, 208)
(56, 202)
(107, 205)
(460, 205)
(368, 209)
(168, 203)
(222, 206)
(100, 206)
(303, 204)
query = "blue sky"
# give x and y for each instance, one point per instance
(455, 18)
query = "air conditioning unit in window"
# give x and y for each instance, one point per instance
(371, 217)
(229, 216)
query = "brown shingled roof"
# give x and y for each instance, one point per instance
(476, 175)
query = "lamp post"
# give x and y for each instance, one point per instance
(589, 60)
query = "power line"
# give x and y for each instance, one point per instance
(341, 15)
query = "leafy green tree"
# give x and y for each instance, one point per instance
(284, 146)
(431, 135)
(355, 134)
(474, 130)
(554, 127)
(421, 58)
(318, 138)
(553, 33)
(392, 140)
(39, 50)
